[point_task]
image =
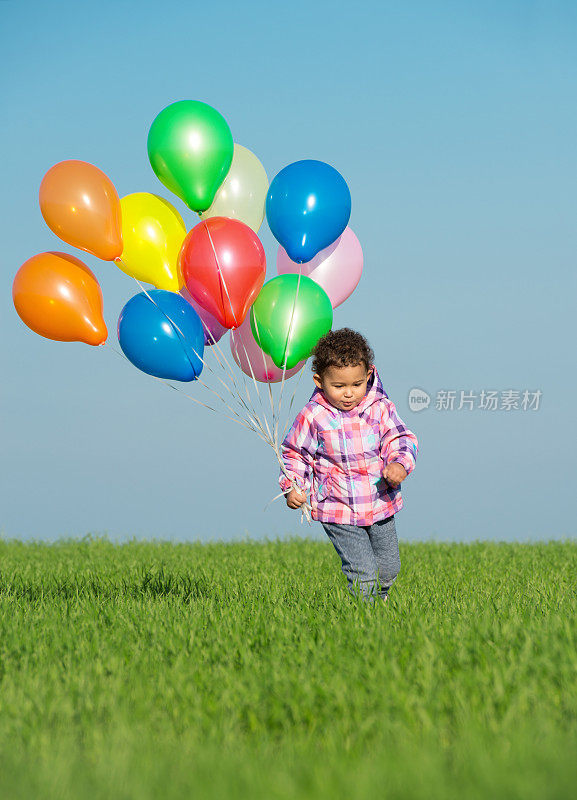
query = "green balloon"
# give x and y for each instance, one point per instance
(190, 149)
(286, 322)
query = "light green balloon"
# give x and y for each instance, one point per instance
(242, 194)
(190, 148)
(289, 316)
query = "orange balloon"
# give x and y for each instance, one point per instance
(80, 204)
(57, 296)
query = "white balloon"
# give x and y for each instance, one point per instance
(242, 195)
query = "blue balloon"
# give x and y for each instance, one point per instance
(307, 207)
(160, 334)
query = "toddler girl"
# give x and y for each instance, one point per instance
(350, 450)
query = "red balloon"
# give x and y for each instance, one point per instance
(224, 266)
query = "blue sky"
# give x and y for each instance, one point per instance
(455, 126)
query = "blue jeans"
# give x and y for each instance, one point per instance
(369, 556)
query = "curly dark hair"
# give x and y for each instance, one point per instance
(342, 348)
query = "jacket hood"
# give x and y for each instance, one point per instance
(375, 392)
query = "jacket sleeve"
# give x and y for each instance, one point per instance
(297, 450)
(398, 444)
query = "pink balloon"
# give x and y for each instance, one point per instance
(212, 328)
(337, 268)
(244, 348)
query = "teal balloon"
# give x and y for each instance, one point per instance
(190, 148)
(289, 316)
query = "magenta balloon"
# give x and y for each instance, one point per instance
(337, 268)
(213, 330)
(244, 348)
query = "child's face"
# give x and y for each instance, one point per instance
(344, 387)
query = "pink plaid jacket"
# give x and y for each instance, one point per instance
(339, 457)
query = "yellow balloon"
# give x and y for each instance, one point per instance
(152, 232)
(242, 195)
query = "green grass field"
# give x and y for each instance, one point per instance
(245, 670)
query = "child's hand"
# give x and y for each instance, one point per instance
(295, 499)
(394, 474)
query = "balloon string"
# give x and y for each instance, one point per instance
(220, 275)
(239, 419)
(252, 409)
(118, 353)
(210, 389)
(238, 396)
(306, 508)
(249, 408)
(287, 422)
(219, 362)
(258, 340)
(222, 283)
(256, 384)
(272, 440)
(289, 334)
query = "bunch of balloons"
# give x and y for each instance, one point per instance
(209, 279)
